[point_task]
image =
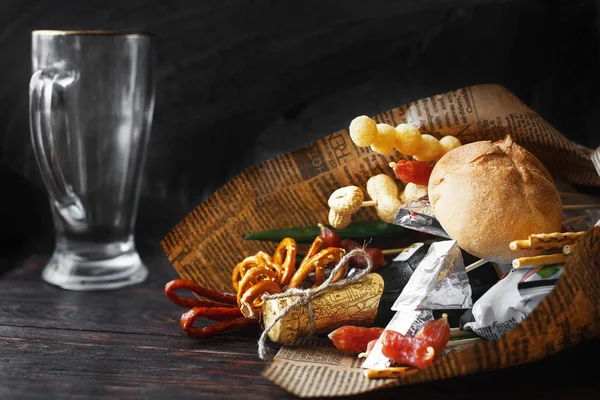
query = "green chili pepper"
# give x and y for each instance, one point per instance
(306, 234)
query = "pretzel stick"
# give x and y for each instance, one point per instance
(392, 372)
(540, 260)
(581, 206)
(568, 237)
(476, 264)
(546, 241)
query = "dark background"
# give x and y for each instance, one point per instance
(239, 82)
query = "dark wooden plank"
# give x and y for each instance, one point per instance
(141, 309)
(54, 363)
(25, 300)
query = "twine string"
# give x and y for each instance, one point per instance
(304, 296)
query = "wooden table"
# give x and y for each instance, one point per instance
(127, 344)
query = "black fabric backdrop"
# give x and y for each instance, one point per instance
(239, 82)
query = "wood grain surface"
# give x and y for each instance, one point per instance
(127, 344)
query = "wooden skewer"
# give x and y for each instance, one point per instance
(476, 264)
(399, 250)
(540, 260)
(459, 333)
(567, 195)
(393, 372)
(581, 206)
(462, 342)
(388, 252)
(574, 219)
(369, 203)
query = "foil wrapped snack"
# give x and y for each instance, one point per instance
(511, 300)
(355, 304)
(418, 216)
(439, 282)
(406, 322)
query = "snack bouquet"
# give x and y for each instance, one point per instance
(451, 223)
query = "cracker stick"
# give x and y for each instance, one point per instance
(393, 372)
(558, 239)
(520, 244)
(539, 260)
(546, 241)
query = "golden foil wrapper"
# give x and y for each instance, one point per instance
(355, 304)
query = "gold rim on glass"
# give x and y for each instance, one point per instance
(98, 33)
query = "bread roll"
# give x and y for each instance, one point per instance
(486, 195)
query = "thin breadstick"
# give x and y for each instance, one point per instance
(581, 206)
(558, 239)
(574, 219)
(546, 241)
(369, 203)
(392, 372)
(568, 248)
(559, 258)
(520, 244)
(476, 264)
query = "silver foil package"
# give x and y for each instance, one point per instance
(511, 300)
(406, 322)
(418, 216)
(439, 282)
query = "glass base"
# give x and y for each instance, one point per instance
(71, 271)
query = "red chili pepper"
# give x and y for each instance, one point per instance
(413, 171)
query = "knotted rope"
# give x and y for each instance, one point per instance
(304, 296)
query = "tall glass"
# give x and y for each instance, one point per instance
(91, 103)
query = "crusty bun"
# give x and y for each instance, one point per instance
(486, 195)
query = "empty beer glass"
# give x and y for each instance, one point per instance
(91, 104)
